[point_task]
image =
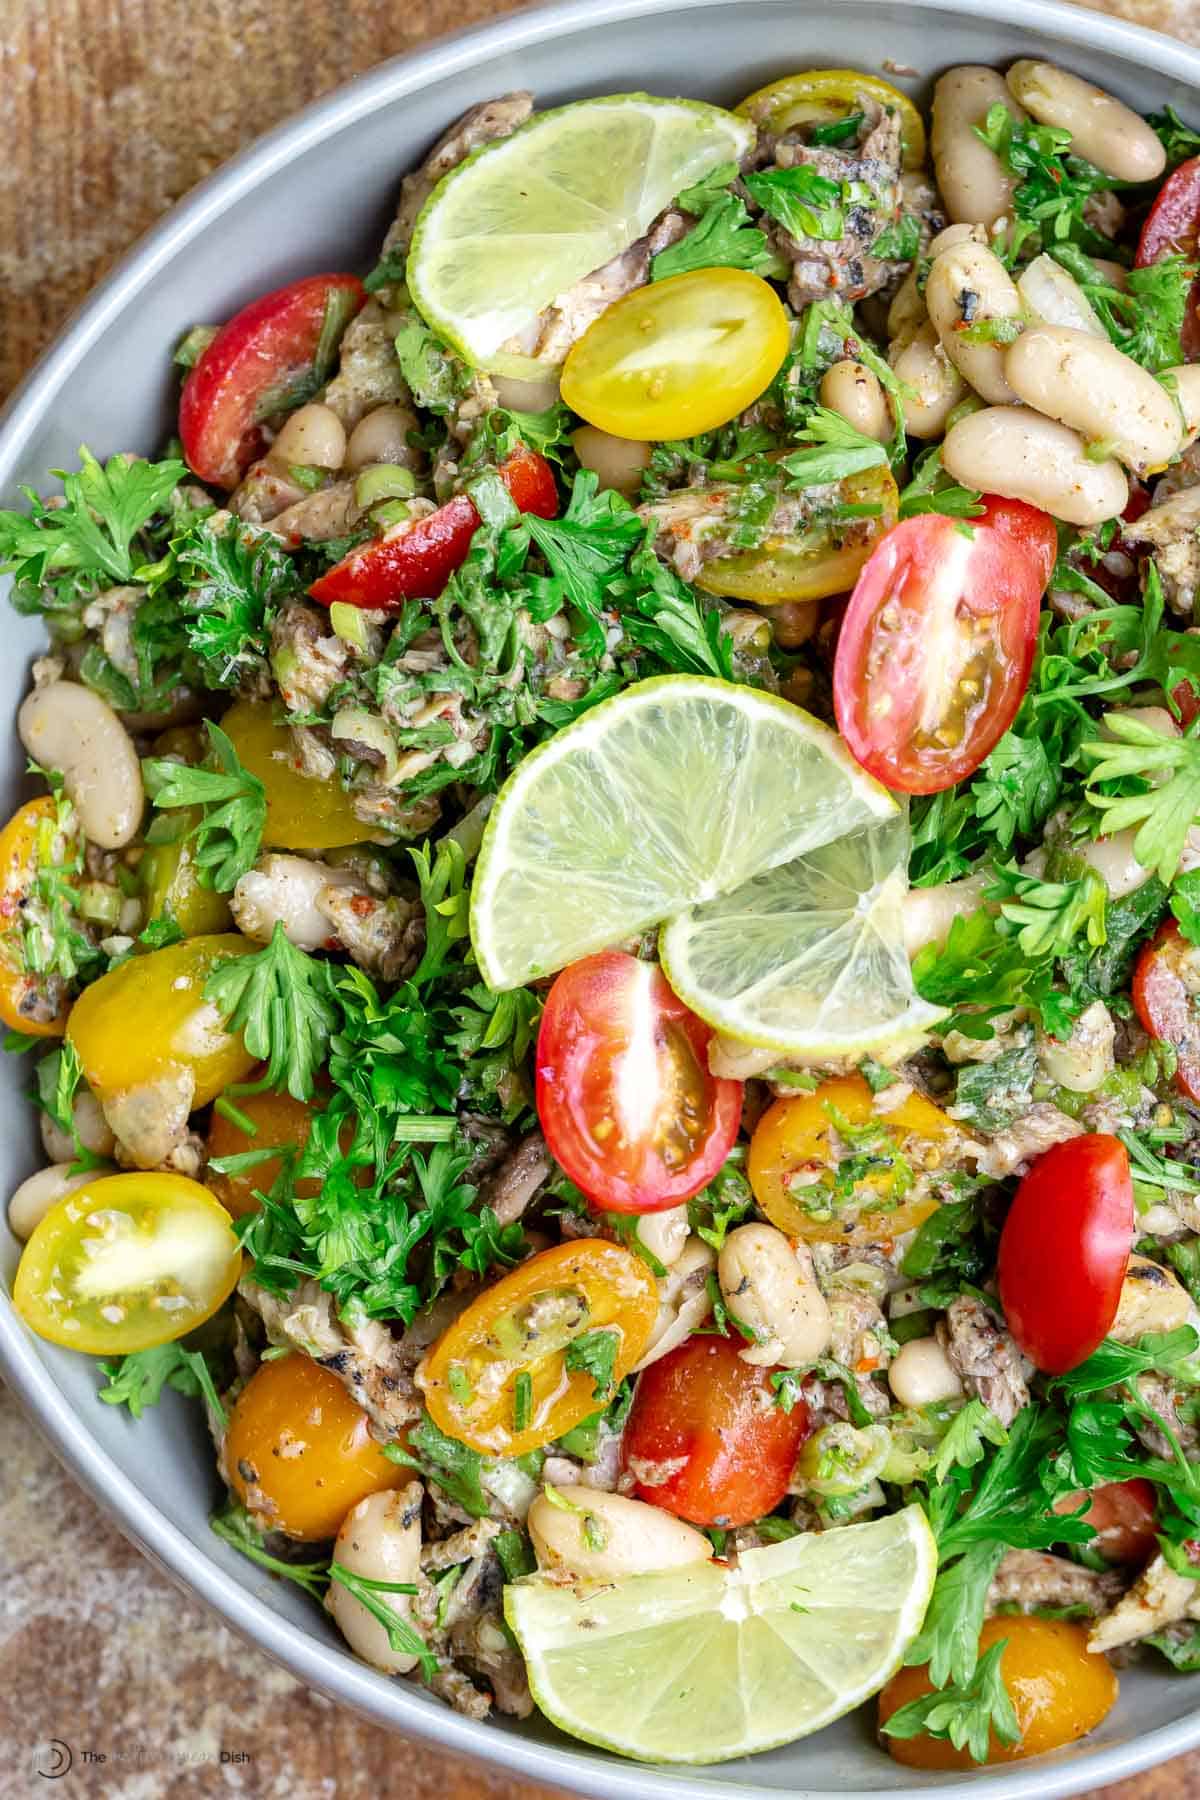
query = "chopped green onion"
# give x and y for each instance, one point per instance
(348, 624)
(522, 1401)
(386, 481)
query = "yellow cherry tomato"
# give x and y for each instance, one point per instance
(169, 885)
(822, 96)
(498, 1379)
(279, 1121)
(148, 1019)
(817, 562)
(126, 1262)
(1059, 1691)
(678, 356)
(302, 813)
(299, 1451)
(793, 1163)
(28, 1002)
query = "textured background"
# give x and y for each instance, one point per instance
(110, 110)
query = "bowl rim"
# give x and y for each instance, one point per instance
(327, 1669)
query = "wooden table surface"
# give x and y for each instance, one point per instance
(110, 110)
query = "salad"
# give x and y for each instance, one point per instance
(609, 938)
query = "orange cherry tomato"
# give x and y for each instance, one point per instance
(499, 1380)
(1059, 1692)
(28, 1001)
(299, 1451)
(281, 1121)
(1124, 1517)
(147, 1020)
(302, 813)
(794, 1159)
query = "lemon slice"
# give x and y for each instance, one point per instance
(704, 1663)
(524, 218)
(679, 789)
(808, 958)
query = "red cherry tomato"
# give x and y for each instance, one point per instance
(711, 1419)
(270, 357)
(1064, 1250)
(1124, 1517)
(416, 562)
(1173, 229)
(937, 643)
(624, 1093)
(1166, 982)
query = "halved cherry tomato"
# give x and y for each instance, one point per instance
(816, 563)
(126, 1262)
(29, 1002)
(269, 359)
(1166, 998)
(499, 1379)
(1059, 1691)
(625, 1097)
(708, 1422)
(1064, 1250)
(793, 1163)
(147, 1020)
(170, 884)
(416, 561)
(281, 1121)
(300, 1452)
(1173, 229)
(822, 96)
(679, 356)
(1124, 1517)
(302, 813)
(937, 643)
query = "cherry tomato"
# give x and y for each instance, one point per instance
(412, 561)
(147, 1020)
(280, 1121)
(126, 1262)
(302, 813)
(937, 643)
(822, 96)
(819, 561)
(269, 359)
(624, 1093)
(1173, 229)
(169, 883)
(1124, 1517)
(1166, 986)
(1059, 1691)
(679, 356)
(1064, 1250)
(300, 1452)
(709, 1422)
(793, 1163)
(499, 1378)
(29, 1002)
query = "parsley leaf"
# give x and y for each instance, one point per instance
(1178, 140)
(1164, 813)
(594, 1353)
(1017, 787)
(437, 378)
(1050, 915)
(661, 612)
(1054, 185)
(233, 805)
(282, 1002)
(962, 1447)
(93, 533)
(966, 1714)
(137, 1380)
(930, 489)
(839, 449)
(723, 235)
(455, 1467)
(236, 581)
(991, 1095)
(806, 204)
(1185, 904)
(982, 970)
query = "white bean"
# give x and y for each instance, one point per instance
(793, 622)
(1187, 393)
(921, 1373)
(68, 727)
(968, 286)
(664, 1233)
(1114, 861)
(38, 1193)
(954, 235)
(851, 389)
(1152, 1299)
(313, 437)
(922, 363)
(619, 462)
(590, 1535)
(284, 889)
(973, 181)
(907, 309)
(1083, 1061)
(1090, 385)
(1011, 451)
(532, 394)
(381, 1539)
(95, 1133)
(1103, 129)
(684, 1301)
(929, 912)
(1052, 297)
(381, 436)
(773, 1290)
